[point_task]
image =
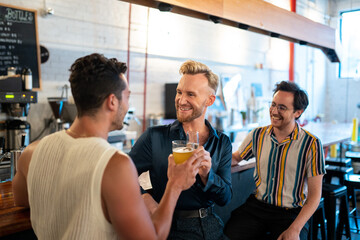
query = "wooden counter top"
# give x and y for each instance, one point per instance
(243, 165)
(12, 219)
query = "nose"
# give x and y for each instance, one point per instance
(181, 99)
(272, 109)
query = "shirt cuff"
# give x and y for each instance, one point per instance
(210, 181)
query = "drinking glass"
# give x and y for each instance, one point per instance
(182, 150)
(192, 137)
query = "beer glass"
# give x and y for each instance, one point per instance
(182, 150)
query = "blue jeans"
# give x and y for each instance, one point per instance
(208, 228)
(258, 220)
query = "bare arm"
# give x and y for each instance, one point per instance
(150, 203)
(19, 183)
(124, 207)
(235, 158)
(311, 204)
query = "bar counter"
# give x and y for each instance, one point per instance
(12, 219)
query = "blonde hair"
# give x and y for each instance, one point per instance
(193, 67)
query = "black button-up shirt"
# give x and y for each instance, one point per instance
(151, 152)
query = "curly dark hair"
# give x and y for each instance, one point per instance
(93, 78)
(301, 100)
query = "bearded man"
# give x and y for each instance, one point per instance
(194, 217)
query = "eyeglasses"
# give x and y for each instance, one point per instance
(280, 108)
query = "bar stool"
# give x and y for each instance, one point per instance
(340, 162)
(331, 193)
(352, 182)
(339, 172)
(355, 160)
(318, 220)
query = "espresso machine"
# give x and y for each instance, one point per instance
(14, 129)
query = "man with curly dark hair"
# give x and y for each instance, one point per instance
(78, 186)
(288, 173)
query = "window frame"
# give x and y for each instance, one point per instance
(341, 39)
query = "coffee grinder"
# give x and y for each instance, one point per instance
(63, 112)
(57, 107)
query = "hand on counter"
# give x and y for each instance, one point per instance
(234, 162)
(235, 158)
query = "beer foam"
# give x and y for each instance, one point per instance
(183, 149)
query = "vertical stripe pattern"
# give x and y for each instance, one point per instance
(282, 169)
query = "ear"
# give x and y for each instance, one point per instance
(111, 102)
(211, 100)
(298, 113)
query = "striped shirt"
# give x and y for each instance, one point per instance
(282, 169)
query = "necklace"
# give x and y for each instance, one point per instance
(75, 134)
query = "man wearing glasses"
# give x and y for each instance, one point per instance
(288, 173)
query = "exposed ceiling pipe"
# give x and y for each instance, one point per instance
(145, 69)
(128, 47)
(292, 48)
(146, 60)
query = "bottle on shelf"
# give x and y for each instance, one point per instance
(27, 79)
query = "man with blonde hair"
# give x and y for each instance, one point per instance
(194, 217)
(193, 67)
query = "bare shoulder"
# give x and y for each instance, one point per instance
(120, 169)
(25, 158)
(19, 182)
(120, 160)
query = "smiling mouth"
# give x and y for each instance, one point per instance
(276, 118)
(184, 108)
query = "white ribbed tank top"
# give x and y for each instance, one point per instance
(64, 185)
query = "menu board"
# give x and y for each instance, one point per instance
(19, 45)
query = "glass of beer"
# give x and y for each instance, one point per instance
(181, 150)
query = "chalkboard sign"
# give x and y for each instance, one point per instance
(19, 45)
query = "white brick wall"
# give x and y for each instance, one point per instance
(342, 95)
(80, 27)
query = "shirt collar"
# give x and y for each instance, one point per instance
(177, 130)
(293, 135)
(212, 131)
